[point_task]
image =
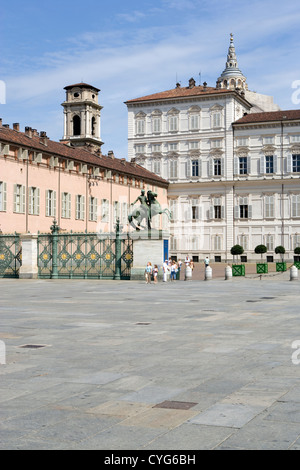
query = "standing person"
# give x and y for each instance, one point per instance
(148, 273)
(192, 264)
(173, 271)
(206, 261)
(179, 264)
(155, 273)
(165, 271)
(187, 260)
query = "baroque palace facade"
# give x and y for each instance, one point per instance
(232, 159)
(70, 181)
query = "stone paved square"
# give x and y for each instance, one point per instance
(114, 350)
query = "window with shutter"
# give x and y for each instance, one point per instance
(34, 201)
(66, 205)
(156, 125)
(173, 169)
(195, 168)
(269, 165)
(93, 207)
(194, 122)
(243, 165)
(296, 205)
(217, 243)
(270, 242)
(80, 207)
(156, 167)
(2, 196)
(173, 123)
(174, 209)
(19, 198)
(295, 241)
(140, 126)
(216, 120)
(269, 207)
(217, 167)
(296, 163)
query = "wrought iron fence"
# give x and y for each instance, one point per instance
(84, 255)
(10, 255)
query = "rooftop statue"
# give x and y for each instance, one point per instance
(148, 208)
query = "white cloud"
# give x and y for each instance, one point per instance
(131, 17)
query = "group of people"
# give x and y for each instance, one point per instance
(190, 262)
(170, 268)
(151, 271)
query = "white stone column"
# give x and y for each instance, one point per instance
(29, 268)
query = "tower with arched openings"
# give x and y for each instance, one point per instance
(82, 116)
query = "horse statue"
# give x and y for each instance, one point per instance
(148, 208)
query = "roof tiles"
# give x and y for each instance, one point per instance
(180, 92)
(253, 118)
(14, 137)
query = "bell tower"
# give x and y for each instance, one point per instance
(82, 116)
(232, 78)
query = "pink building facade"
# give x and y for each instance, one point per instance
(42, 180)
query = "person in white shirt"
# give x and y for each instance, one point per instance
(187, 260)
(165, 271)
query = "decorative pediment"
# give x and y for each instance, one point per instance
(269, 149)
(216, 152)
(157, 154)
(140, 115)
(242, 152)
(194, 109)
(295, 148)
(216, 107)
(156, 112)
(194, 152)
(173, 111)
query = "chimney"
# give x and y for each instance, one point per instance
(192, 83)
(177, 85)
(43, 138)
(28, 132)
(204, 86)
(35, 133)
(110, 154)
(16, 126)
(6, 126)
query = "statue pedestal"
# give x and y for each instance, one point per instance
(147, 246)
(29, 268)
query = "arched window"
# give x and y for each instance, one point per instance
(76, 125)
(93, 125)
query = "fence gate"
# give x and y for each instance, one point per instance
(84, 256)
(10, 256)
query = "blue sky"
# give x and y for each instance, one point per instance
(133, 48)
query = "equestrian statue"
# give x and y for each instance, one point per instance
(148, 208)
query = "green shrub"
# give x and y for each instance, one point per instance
(237, 250)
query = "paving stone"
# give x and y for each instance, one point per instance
(226, 415)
